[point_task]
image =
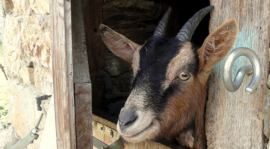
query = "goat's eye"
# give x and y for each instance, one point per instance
(184, 76)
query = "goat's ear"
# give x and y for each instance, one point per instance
(216, 45)
(120, 45)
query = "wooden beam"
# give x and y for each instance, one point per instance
(92, 12)
(63, 73)
(83, 115)
(83, 94)
(235, 119)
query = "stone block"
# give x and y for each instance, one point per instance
(23, 113)
(27, 53)
(26, 7)
(39, 6)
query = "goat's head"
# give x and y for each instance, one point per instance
(170, 76)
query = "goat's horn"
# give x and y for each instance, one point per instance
(160, 29)
(186, 32)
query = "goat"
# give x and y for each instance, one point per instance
(168, 95)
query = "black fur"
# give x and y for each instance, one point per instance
(155, 56)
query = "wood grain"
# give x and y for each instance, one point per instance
(92, 12)
(63, 73)
(104, 130)
(80, 58)
(83, 115)
(81, 78)
(146, 145)
(235, 119)
(267, 102)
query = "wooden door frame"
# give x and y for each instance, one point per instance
(62, 66)
(235, 119)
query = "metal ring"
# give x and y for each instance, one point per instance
(255, 69)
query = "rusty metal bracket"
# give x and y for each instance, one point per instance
(40, 99)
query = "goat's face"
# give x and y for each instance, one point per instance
(170, 76)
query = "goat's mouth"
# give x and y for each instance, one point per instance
(148, 132)
(138, 133)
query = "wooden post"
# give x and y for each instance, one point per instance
(63, 73)
(83, 94)
(83, 115)
(235, 119)
(92, 12)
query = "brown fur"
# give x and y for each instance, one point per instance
(187, 105)
(136, 62)
(217, 45)
(186, 138)
(181, 110)
(184, 56)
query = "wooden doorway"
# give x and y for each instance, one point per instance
(237, 116)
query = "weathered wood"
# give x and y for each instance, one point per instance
(146, 145)
(92, 11)
(235, 119)
(83, 115)
(63, 73)
(83, 94)
(104, 130)
(80, 59)
(267, 105)
(266, 111)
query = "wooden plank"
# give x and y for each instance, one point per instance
(146, 145)
(267, 101)
(104, 121)
(266, 111)
(83, 115)
(80, 59)
(104, 130)
(81, 78)
(63, 73)
(235, 119)
(92, 10)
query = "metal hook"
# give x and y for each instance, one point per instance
(254, 68)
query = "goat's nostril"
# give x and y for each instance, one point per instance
(128, 121)
(127, 117)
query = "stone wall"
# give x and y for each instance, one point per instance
(2, 19)
(27, 60)
(27, 53)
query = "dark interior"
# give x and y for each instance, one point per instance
(137, 20)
